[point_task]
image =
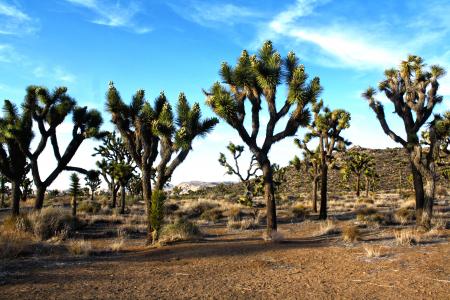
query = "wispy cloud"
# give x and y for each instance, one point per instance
(213, 13)
(7, 53)
(55, 74)
(14, 21)
(340, 42)
(113, 14)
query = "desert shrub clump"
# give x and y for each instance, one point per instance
(14, 242)
(180, 230)
(350, 233)
(89, 207)
(404, 215)
(299, 212)
(49, 222)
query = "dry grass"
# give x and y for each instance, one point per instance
(244, 224)
(50, 222)
(117, 245)
(299, 211)
(13, 243)
(274, 237)
(350, 233)
(407, 237)
(404, 215)
(79, 247)
(372, 251)
(328, 227)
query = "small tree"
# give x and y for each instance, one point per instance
(309, 165)
(327, 127)
(48, 110)
(113, 150)
(357, 163)
(236, 151)
(74, 191)
(93, 181)
(15, 132)
(122, 174)
(370, 176)
(256, 79)
(412, 89)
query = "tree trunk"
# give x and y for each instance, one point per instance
(114, 195)
(40, 194)
(367, 187)
(269, 195)
(358, 183)
(323, 193)
(92, 195)
(147, 193)
(15, 186)
(315, 194)
(3, 200)
(430, 188)
(122, 199)
(418, 189)
(74, 206)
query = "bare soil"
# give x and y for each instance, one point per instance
(240, 265)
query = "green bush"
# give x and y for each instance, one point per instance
(157, 213)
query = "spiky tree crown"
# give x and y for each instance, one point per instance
(257, 77)
(412, 88)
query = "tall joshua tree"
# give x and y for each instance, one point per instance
(256, 79)
(49, 110)
(236, 151)
(112, 151)
(15, 131)
(93, 181)
(311, 165)
(75, 190)
(327, 127)
(146, 129)
(357, 163)
(3, 189)
(413, 90)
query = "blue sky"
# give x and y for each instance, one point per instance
(178, 46)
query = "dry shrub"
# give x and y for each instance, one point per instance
(299, 211)
(407, 237)
(373, 251)
(128, 229)
(244, 224)
(234, 213)
(328, 227)
(196, 208)
(212, 215)
(79, 247)
(13, 243)
(50, 222)
(439, 222)
(404, 216)
(366, 211)
(88, 206)
(350, 233)
(180, 230)
(409, 204)
(108, 219)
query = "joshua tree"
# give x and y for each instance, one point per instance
(49, 110)
(413, 91)
(93, 181)
(327, 127)
(236, 151)
(279, 177)
(113, 150)
(256, 78)
(122, 174)
(311, 165)
(135, 185)
(15, 131)
(145, 128)
(370, 176)
(74, 191)
(357, 163)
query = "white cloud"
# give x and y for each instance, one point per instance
(14, 21)
(55, 74)
(215, 13)
(113, 14)
(7, 53)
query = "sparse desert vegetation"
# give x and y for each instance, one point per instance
(335, 221)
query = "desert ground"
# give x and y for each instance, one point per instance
(369, 248)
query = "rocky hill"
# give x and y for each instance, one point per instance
(391, 165)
